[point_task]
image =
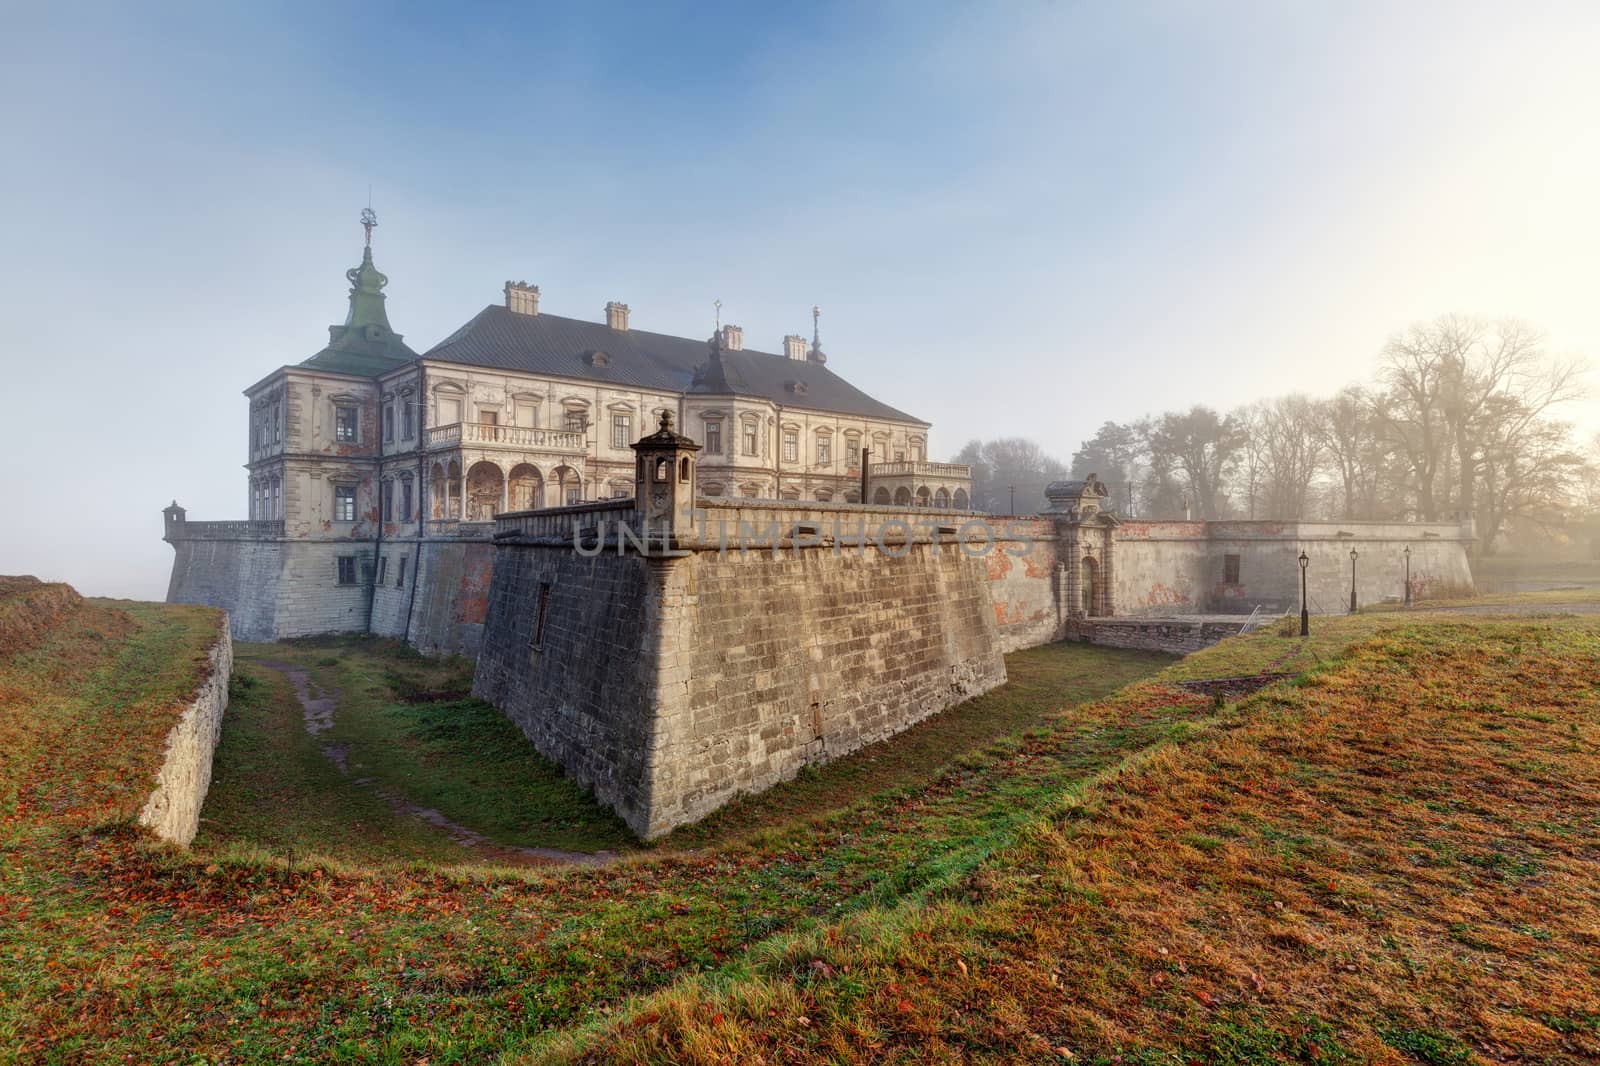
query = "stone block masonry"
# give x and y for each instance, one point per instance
(669, 685)
(173, 809)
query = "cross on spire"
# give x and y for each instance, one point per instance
(369, 221)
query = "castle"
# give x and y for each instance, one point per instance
(774, 576)
(371, 465)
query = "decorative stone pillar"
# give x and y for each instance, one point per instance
(1108, 571)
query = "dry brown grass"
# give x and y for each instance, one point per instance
(29, 608)
(1394, 861)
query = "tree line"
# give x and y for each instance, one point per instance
(1460, 418)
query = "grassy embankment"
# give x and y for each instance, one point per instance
(277, 933)
(1389, 860)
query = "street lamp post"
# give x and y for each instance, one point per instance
(1352, 581)
(1408, 575)
(1305, 615)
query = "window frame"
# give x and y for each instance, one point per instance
(343, 434)
(346, 570)
(621, 430)
(344, 494)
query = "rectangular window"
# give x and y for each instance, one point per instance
(277, 499)
(400, 578)
(409, 422)
(824, 451)
(383, 567)
(574, 494)
(405, 501)
(575, 422)
(791, 447)
(344, 424)
(713, 438)
(387, 504)
(750, 441)
(344, 503)
(1230, 569)
(388, 423)
(347, 569)
(621, 431)
(277, 422)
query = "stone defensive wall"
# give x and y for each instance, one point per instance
(1177, 568)
(274, 586)
(670, 674)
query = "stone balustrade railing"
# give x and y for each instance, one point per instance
(548, 440)
(561, 523)
(249, 529)
(459, 529)
(919, 468)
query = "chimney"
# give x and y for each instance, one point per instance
(733, 338)
(522, 298)
(794, 346)
(617, 315)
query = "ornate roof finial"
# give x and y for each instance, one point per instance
(369, 221)
(718, 305)
(816, 327)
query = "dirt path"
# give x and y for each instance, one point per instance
(319, 705)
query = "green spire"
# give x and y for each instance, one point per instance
(366, 286)
(366, 295)
(366, 343)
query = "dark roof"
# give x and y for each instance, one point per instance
(566, 347)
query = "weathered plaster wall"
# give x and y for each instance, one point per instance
(452, 602)
(173, 809)
(1026, 589)
(310, 599)
(1166, 568)
(671, 685)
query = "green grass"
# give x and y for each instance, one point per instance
(406, 727)
(1061, 863)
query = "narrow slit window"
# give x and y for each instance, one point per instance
(541, 615)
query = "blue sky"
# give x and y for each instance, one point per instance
(1018, 218)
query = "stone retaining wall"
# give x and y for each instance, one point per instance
(173, 810)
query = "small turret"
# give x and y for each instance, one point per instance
(664, 480)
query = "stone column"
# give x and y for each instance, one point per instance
(1108, 573)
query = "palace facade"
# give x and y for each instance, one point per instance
(367, 449)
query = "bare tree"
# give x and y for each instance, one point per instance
(1288, 426)
(1251, 467)
(1009, 469)
(1201, 446)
